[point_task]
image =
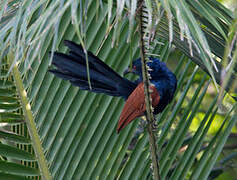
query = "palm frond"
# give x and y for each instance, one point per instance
(12, 148)
(77, 128)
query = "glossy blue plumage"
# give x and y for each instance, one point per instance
(163, 79)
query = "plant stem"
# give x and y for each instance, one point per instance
(148, 101)
(30, 121)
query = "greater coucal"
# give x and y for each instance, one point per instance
(105, 80)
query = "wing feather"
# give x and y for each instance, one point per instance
(135, 105)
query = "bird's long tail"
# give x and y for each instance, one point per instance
(103, 79)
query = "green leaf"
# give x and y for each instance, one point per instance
(17, 169)
(8, 99)
(3, 73)
(12, 177)
(9, 107)
(14, 137)
(6, 84)
(12, 152)
(6, 92)
(11, 117)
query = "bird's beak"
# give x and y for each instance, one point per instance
(128, 70)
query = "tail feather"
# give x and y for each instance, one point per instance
(84, 85)
(69, 64)
(103, 79)
(76, 50)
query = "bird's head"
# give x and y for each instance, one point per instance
(156, 67)
(135, 69)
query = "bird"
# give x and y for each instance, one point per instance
(103, 79)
